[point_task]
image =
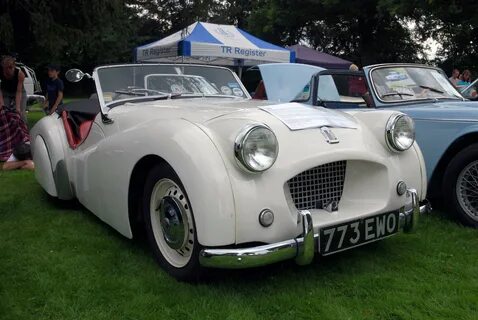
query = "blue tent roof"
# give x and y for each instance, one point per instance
(213, 43)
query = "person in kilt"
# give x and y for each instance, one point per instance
(13, 131)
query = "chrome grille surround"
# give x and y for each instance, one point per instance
(320, 187)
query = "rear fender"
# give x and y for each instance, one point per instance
(50, 130)
(43, 172)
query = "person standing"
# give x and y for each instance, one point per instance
(455, 77)
(54, 90)
(12, 90)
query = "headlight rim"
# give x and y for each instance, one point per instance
(239, 143)
(390, 130)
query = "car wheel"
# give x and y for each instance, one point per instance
(460, 185)
(169, 223)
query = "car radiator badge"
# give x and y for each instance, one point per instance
(329, 136)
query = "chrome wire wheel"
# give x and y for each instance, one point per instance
(172, 223)
(467, 190)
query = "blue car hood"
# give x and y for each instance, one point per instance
(443, 110)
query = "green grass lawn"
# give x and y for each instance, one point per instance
(57, 261)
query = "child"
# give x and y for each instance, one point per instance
(54, 90)
(21, 158)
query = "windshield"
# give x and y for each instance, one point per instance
(282, 81)
(337, 90)
(394, 84)
(133, 81)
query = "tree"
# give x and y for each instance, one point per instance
(366, 32)
(84, 32)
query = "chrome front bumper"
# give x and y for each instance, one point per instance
(302, 248)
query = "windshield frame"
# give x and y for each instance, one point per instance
(314, 98)
(471, 85)
(377, 96)
(105, 107)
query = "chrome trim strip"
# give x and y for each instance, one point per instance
(444, 120)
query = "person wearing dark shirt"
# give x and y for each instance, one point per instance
(54, 90)
(12, 91)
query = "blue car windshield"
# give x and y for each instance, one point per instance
(395, 84)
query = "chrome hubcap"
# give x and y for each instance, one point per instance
(173, 223)
(467, 190)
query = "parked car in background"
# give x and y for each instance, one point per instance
(31, 84)
(446, 123)
(218, 180)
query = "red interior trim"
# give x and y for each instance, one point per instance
(260, 93)
(75, 139)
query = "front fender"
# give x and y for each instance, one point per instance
(435, 138)
(472, 128)
(189, 151)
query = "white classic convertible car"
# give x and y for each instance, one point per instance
(216, 179)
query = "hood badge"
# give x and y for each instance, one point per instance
(329, 136)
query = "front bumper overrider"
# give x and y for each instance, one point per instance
(302, 248)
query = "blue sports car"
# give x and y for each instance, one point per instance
(446, 123)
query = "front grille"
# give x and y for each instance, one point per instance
(318, 188)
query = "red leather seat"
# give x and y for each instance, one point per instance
(75, 135)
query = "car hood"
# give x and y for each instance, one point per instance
(442, 110)
(204, 110)
(197, 110)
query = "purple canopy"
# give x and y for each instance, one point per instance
(307, 55)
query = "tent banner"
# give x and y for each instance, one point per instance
(157, 52)
(211, 51)
(232, 52)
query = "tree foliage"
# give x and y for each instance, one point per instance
(91, 32)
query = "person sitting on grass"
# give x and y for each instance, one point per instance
(13, 131)
(21, 158)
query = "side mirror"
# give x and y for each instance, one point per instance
(75, 75)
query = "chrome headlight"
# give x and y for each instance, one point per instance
(256, 148)
(400, 132)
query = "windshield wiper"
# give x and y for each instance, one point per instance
(144, 99)
(432, 89)
(396, 93)
(140, 92)
(202, 95)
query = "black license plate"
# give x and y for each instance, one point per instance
(358, 232)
